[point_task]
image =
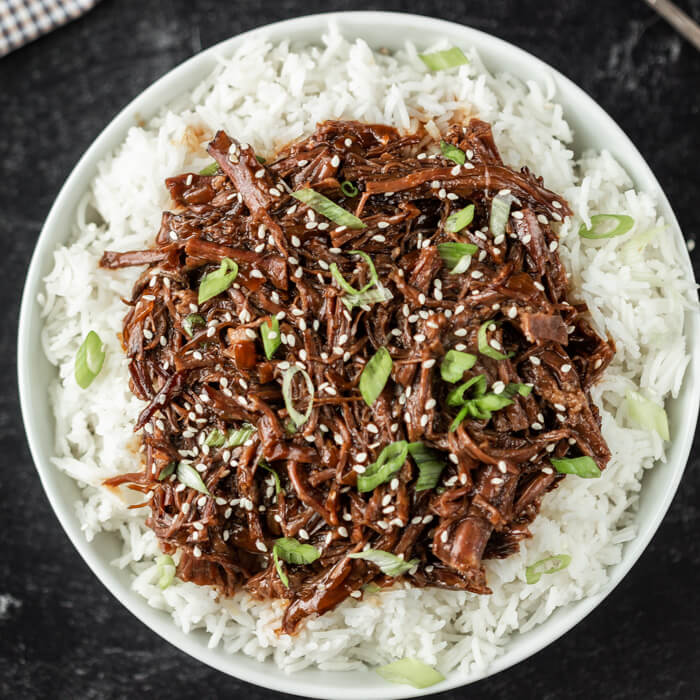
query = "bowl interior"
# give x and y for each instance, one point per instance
(593, 129)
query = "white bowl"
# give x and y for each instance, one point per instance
(593, 129)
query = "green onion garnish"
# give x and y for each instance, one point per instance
(211, 169)
(480, 406)
(457, 256)
(500, 210)
(89, 360)
(167, 471)
(260, 160)
(278, 484)
(189, 476)
(349, 190)
(458, 220)
(390, 460)
(293, 552)
(213, 283)
(389, 564)
(235, 438)
(430, 465)
(165, 570)
(410, 671)
(456, 396)
(455, 364)
(550, 565)
(585, 467)
(366, 295)
(298, 418)
(522, 389)
(371, 587)
(189, 322)
(328, 208)
(484, 347)
(442, 60)
(215, 438)
(456, 155)
(606, 226)
(647, 414)
(270, 334)
(375, 375)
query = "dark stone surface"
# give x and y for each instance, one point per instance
(62, 635)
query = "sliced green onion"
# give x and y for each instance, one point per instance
(647, 414)
(365, 295)
(260, 160)
(293, 552)
(270, 334)
(298, 418)
(456, 155)
(492, 402)
(389, 564)
(483, 343)
(522, 389)
(606, 226)
(456, 396)
(280, 569)
(278, 484)
(328, 208)
(211, 169)
(364, 299)
(189, 476)
(585, 467)
(430, 465)
(550, 565)
(410, 671)
(235, 438)
(167, 471)
(371, 587)
(390, 460)
(213, 283)
(463, 413)
(215, 438)
(165, 570)
(89, 360)
(189, 322)
(455, 364)
(375, 375)
(349, 190)
(442, 60)
(457, 256)
(500, 210)
(458, 220)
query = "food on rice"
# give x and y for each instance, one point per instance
(360, 364)
(634, 285)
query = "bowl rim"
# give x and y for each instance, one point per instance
(150, 101)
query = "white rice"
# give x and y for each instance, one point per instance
(268, 95)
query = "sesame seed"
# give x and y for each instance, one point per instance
(394, 484)
(498, 387)
(359, 469)
(496, 481)
(197, 551)
(547, 470)
(343, 531)
(303, 534)
(383, 224)
(512, 312)
(502, 467)
(423, 420)
(566, 368)
(553, 246)
(379, 238)
(542, 218)
(536, 426)
(517, 215)
(597, 363)
(556, 205)
(430, 404)
(335, 161)
(539, 285)
(421, 298)
(443, 536)
(560, 407)
(477, 274)
(535, 360)
(427, 364)
(526, 238)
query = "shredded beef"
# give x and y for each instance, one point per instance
(202, 367)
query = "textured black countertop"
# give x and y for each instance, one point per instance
(62, 635)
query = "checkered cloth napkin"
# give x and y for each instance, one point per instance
(22, 21)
